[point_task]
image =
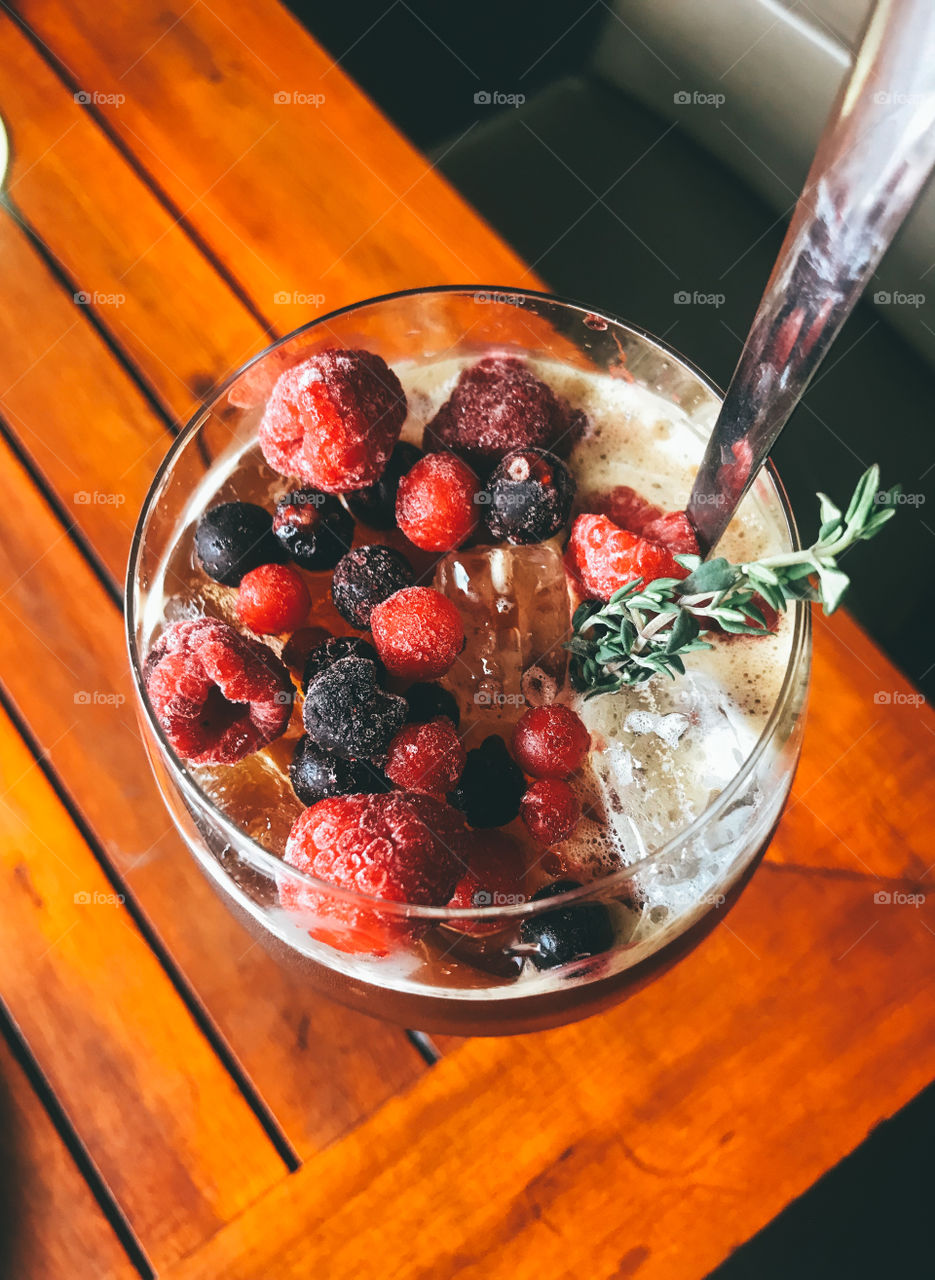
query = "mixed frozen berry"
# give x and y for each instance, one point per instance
(550, 810)
(365, 577)
(499, 405)
(233, 538)
(316, 773)
(328, 651)
(315, 530)
(348, 711)
(397, 847)
(491, 785)
(426, 757)
(218, 695)
(573, 932)
(376, 505)
(529, 493)
(602, 557)
(273, 599)
(332, 420)
(550, 742)
(418, 633)
(436, 505)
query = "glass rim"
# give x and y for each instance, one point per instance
(259, 856)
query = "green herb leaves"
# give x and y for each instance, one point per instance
(643, 631)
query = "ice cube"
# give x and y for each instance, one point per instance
(513, 602)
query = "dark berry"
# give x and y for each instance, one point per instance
(333, 420)
(567, 933)
(335, 647)
(491, 785)
(418, 633)
(437, 504)
(550, 742)
(365, 577)
(550, 810)
(314, 528)
(317, 773)
(273, 599)
(234, 538)
(499, 405)
(426, 757)
(376, 505)
(348, 712)
(530, 493)
(218, 695)
(429, 701)
(396, 846)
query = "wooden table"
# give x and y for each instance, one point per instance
(172, 1103)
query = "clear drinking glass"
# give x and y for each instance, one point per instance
(441, 979)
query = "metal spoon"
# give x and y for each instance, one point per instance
(877, 149)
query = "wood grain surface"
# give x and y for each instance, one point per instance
(206, 176)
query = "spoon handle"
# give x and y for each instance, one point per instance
(875, 152)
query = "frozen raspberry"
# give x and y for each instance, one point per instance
(499, 405)
(218, 695)
(602, 558)
(376, 505)
(331, 649)
(348, 712)
(436, 506)
(315, 530)
(550, 810)
(273, 599)
(233, 538)
(631, 511)
(365, 577)
(418, 633)
(429, 701)
(494, 878)
(550, 742)
(426, 757)
(491, 785)
(333, 420)
(316, 774)
(531, 492)
(397, 847)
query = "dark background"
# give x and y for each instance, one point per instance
(539, 174)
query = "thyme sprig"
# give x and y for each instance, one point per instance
(645, 630)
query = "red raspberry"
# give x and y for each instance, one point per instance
(550, 810)
(436, 503)
(550, 742)
(273, 599)
(426, 757)
(603, 557)
(631, 511)
(495, 878)
(397, 846)
(499, 405)
(674, 531)
(218, 695)
(333, 420)
(418, 633)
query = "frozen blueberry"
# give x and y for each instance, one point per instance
(233, 538)
(491, 785)
(376, 506)
(317, 774)
(567, 933)
(428, 701)
(365, 577)
(335, 647)
(314, 528)
(531, 492)
(348, 712)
